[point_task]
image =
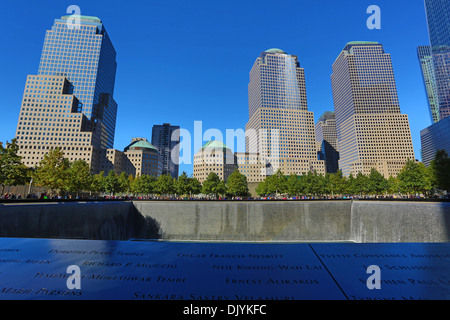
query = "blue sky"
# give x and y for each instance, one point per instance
(186, 61)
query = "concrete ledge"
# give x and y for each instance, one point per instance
(303, 221)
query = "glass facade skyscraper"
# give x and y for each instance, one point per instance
(166, 138)
(87, 58)
(371, 131)
(438, 20)
(69, 104)
(437, 135)
(429, 80)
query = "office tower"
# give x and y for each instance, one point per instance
(216, 157)
(166, 138)
(50, 118)
(371, 131)
(438, 20)
(85, 57)
(280, 127)
(429, 80)
(138, 158)
(326, 141)
(436, 136)
(251, 166)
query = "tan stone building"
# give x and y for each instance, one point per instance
(371, 131)
(138, 158)
(216, 157)
(50, 118)
(280, 127)
(251, 166)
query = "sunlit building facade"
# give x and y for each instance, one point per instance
(371, 130)
(280, 128)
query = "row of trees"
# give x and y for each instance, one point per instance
(60, 176)
(414, 178)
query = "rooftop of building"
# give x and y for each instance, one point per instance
(140, 143)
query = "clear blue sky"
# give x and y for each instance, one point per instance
(185, 61)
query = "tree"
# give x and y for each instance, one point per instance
(440, 169)
(392, 185)
(79, 177)
(376, 182)
(98, 182)
(360, 184)
(413, 178)
(294, 185)
(124, 182)
(195, 187)
(261, 188)
(52, 171)
(212, 185)
(165, 184)
(12, 171)
(337, 183)
(148, 184)
(237, 184)
(111, 183)
(276, 183)
(182, 184)
(314, 183)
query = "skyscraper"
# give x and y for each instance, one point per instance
(371, 131)
(438, 19)
(426, 64)
(326, 140)
(87, 58)
(437, 135)
(166, 138)
(280, 127)
(69, 104)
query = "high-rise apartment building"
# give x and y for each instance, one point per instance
(166, 138)
(371, 131)
(69, 104)
(437, 135)
(280, 127)
(326, 141)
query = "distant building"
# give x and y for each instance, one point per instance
(216, 157)
(426, 63)
(138, 158)
(326, 141)
(166, 138)
(371, 130)
(280, 128)
(434, 138)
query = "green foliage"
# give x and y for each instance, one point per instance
(414, 178)
(261, 188)
(111, 183)
(165, 184)
(213, 185)
(52, 172)
(337, 183)
(12, 171)
(276, 183)
(376, 182)
(440, 171)
(79, 177)
(237, 184)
